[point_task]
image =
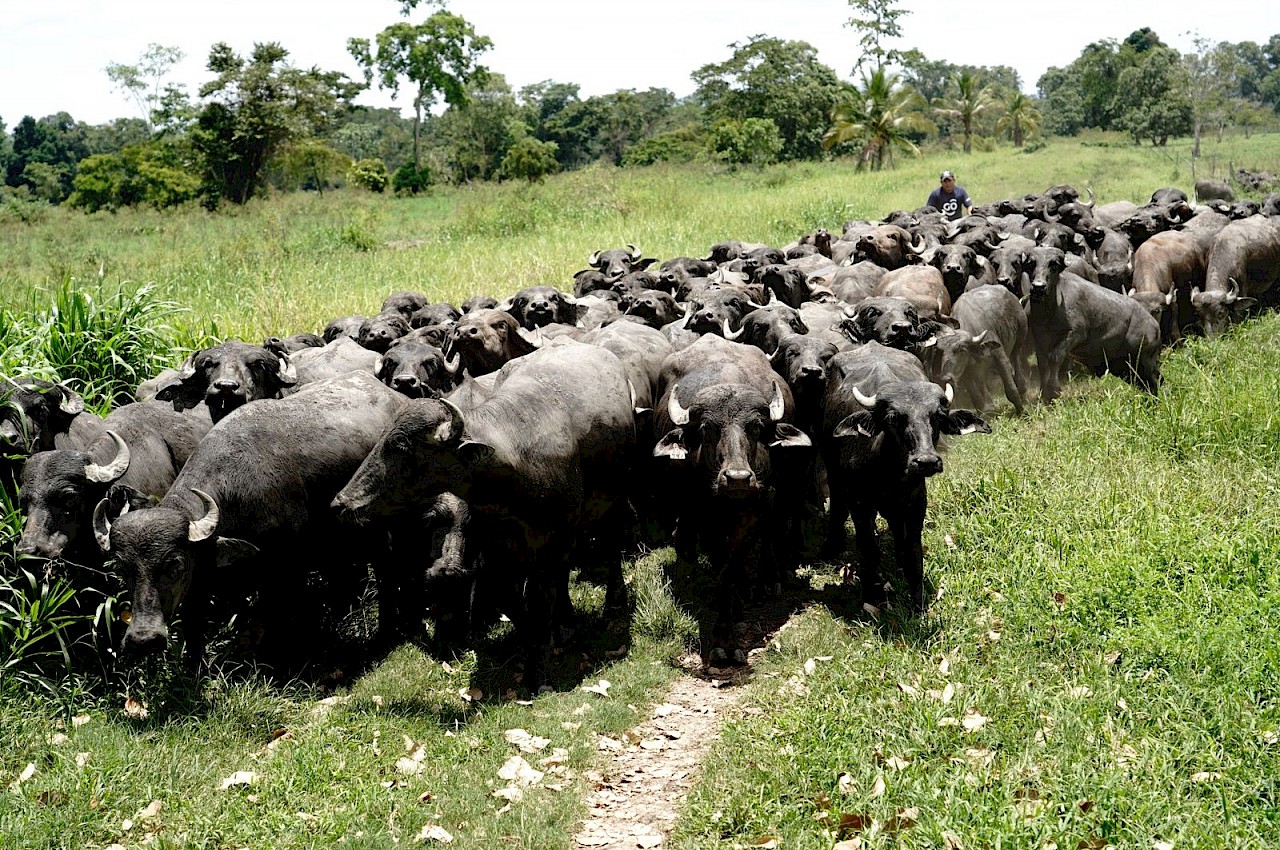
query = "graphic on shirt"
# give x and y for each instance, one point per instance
(949, 207)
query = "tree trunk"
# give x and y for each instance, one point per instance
(1017, 133)
(1195, 147)
(417, 134)
(968, 131)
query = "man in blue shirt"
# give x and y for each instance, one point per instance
(950, 198)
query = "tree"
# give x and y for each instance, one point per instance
(477, 134)
(310, 164)
(1020, 119)
(529, 159)
(781, 81)
(879, 116)
(1062, 100)
(1205, 71)
(143, 82)
(876, 21)
(157, 173)
(438, 57)
(967, 103)
(1151, 100)
(253, 108)
(755, 141)
(44, 155)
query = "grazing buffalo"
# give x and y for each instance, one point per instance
(1244, 264)
(1213, 190)
(538, 464)
(992, 337)
(257, 487)
(879, 443)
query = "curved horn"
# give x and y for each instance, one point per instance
(188, 368)
(377, 366)
(1092, 199)
(977, 340)
(864, 400)
(102, 524)
(679, 415)
(69, 402)
(203, 528)
(1233, 288)
(455, 360)
(594, 258)
(633, 251)
(949, 392)
(754, 306)
(1168, 298)
(732, 336)
(288, 372)
(456, 423)
(111, 471)
(911, 246)
(777, 404)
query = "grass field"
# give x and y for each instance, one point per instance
(1098, 666)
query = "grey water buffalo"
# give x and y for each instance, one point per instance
(404, 303)
(879, 442)
(416, 369)
(430, 315)
(538, 464)
(378, 332)
(1071, 318)
(489, 338)
(1207, 190)
(1244, 265)
(348, 326)
(992, 337)
(290, 344)
(61, 487)
(538, 306)
(923, 286)
(339, 357)
(893, 322)
(38, 415)
(257, 487)
(617, 262)
(478, 302)
(765, 326)
(653, 307)
(228, 376)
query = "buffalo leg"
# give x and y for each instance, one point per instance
(864, 525)
(1012, 391)
(907, 527)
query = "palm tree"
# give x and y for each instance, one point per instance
(969, 104)
(1020, 119)
(880, 115)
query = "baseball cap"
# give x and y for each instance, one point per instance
(947, 175)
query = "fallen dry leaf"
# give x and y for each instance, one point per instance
(1162, 845)
(649, 839)
(850, 822)
(601, 687)
(979, 756)
(904, 819)
(135, 709)
(1270, 737)
(973, 720)
(910, 690)
(240, 777)
(1112, 658)
(766, 842)
(877, 788)
(471, 694)
(27, 772)
(1205, 776)
(951, 841)
(526, 742)
(944, 666)
(947, 721)
(82, 759)
(582, 709)
(558, 757)
(845, 783)
(151, 810)
(80, 720)
(570, 726)
(519, 771)
(854, 843)
(1080, 692)
(897, 763)
(510, 793)
(1093, 843)
(434, 832)
(57, 739)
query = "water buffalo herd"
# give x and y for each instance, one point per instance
(467, 459)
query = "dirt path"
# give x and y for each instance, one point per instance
(639, 793)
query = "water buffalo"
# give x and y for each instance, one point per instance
(487, 339)
(879, 441)
(1244, 263)
(228, 376)
(416, 369)
(538, 464)
(538, 306)
(992, 337)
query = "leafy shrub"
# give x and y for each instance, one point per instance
(157, 174)
(683, 145)
(755, 141)
(529, 159)
(369, 174)
(409, 180)
(1033, 146)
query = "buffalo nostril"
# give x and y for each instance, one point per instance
(473, 331)
(405, 381)
(226, 385)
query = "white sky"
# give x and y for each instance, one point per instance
(53, 53)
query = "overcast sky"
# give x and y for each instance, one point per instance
(53, 53)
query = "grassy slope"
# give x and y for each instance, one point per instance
(1154, 521)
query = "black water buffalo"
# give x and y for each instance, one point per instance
(619, 261)
(652, 307)
(765, 326)
(439, 313)
(723, 435)
(992, 337)
(538, 306)
(1244, 264)
(538, 464)
(61, 488)
(1207, 190)
(802, 362)
(1010, 264)
(487, 339)
(38, 415)
(889, 321)
(416, 369)
(348, 326)
(257, 487)
(1071, 318)
(479, 302)
(788, 283)
(228, 376)
(959, 264)
(291, 344)
(879, 441)
(378, 332)
(718, 311)
(404, 303)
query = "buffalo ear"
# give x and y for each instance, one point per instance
(786, 435)
(1243, 305)
(183, 393)
(474, 453)
(641, 265)
(965, 422)
(672, 445)
(233, 549)
(860, 424)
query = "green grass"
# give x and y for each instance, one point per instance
(1108, 575)
(1105, 598)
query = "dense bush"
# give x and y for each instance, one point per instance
(158, 174)
(409, 180)
(369, 174)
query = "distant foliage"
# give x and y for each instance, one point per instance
(156, 174)
(755, 141)
(686, 144)
(409, 180)
(369, 174)
(529, 159)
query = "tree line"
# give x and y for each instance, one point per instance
(261, 121)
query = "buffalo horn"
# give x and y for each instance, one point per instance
(109, 472)
(456, 421)
(102, 524)
(731, 335)
(288, 372)
(69, 402)
(949, 392)
(911, 246)
(633, 251)
(594, 258)
(777, 404)
(1092, 199)
(864, 400)
(188, 368)
(1233, 289)
(1168, 298)
(977, 340)
(678, 414)
(452, 364)
(377, 366)
(203, 528)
